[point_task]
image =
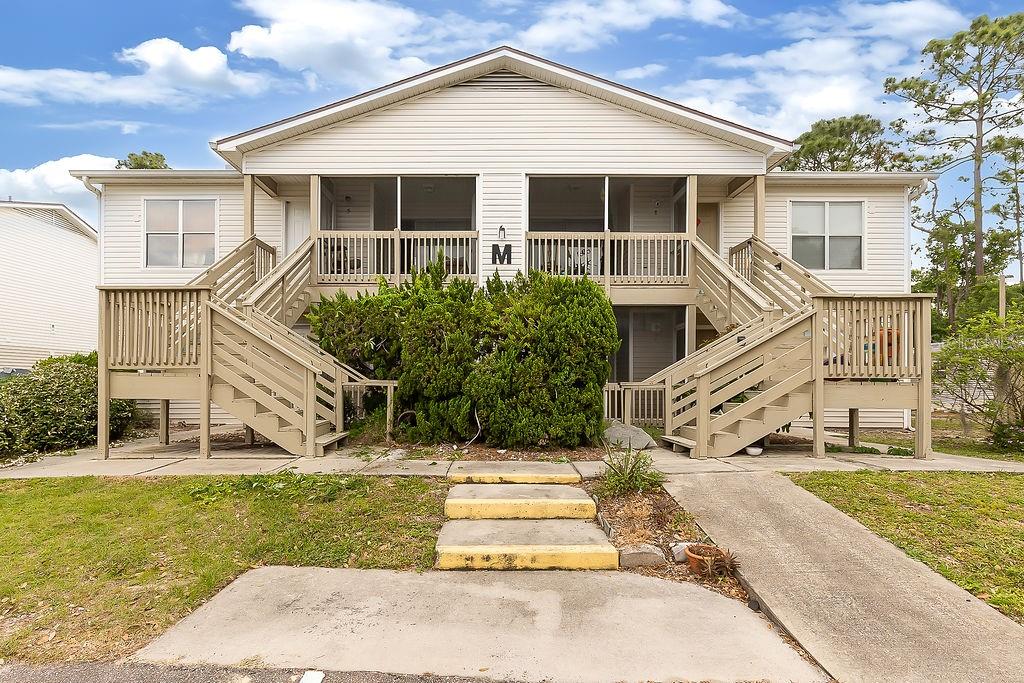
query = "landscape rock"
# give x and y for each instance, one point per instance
(679, 551)
(627, 436)
(642, 555)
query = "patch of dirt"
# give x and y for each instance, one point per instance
(657, 519)
(484, 452)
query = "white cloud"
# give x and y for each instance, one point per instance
(835, 65)
(640, 72)
(580, 25)
(51, 182)
(169, 74)
(356, 42)
(126, 127)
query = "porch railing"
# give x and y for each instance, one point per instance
(152, 327)
(623, 258)
(362, 257)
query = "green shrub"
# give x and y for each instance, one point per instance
(1008, 436)
(629, 472)
(523, 362)
(899, 450)
(54, 408)
(866, 449)
(88, 359)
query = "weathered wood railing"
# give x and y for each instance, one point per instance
(731, 296)
(642, 405)
(351, 257)
(152, 328)
(238, 271)
(875, 335)
(787, 283)
(276, 294)
(623, 258)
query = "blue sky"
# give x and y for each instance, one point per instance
(82, 84)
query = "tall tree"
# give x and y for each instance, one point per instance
(143, 159)
(850, 143)
(968, 91)
(1010, 177)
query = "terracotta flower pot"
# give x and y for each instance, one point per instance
(696, 553)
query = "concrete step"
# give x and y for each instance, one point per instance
(518, 501)
(524, 544)
(513, 472)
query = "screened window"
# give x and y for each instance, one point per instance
(180, 233)
(828, 235)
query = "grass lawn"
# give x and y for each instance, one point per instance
(947, 437)
(93, 568)
(969, 527)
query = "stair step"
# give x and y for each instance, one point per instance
(513, 472)
(678, 443)
(524, 544)
(518, 501)
(328, 440)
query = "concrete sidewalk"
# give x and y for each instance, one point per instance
(524, 626)
(858, 604)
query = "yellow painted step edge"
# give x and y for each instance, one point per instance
(524, 478)
(477, 508)
(527, 557)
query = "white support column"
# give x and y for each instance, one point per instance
(397, 253)
(607, 260)
(691, 329)
(759, 200)
(691, 206)
(248, 206)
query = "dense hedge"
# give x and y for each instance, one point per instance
(524, 362)
(53, 407)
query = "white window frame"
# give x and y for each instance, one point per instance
(826, 201)
(181, 240)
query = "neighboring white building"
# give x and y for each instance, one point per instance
(509, 162)
(49, 265)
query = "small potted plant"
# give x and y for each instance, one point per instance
(710, 561)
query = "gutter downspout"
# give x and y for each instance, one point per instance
(89, 186)
(99, 227)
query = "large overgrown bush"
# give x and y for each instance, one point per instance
(524, 362)
(982, 369)
(54, 408)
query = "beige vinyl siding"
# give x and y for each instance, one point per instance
(48, 287)
(652, 340)
(503, 122)
(502, 205)
(886, 252)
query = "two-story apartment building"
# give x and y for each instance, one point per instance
(505, 162)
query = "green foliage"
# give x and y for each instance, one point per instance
(1008, 437)
(523, 362)
(850, 143)
(629, 472)
(88, 359)
(832, 448)
(541, 377)
(143, 159)
(982, 368)
(53, 408)
(898, 450)
(309, 488)
(866, 449)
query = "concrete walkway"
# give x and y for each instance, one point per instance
(859, 605)
(528, 626)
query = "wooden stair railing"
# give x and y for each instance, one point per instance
(287, 287)
(239, 270)
(723, 295)
(787, 283)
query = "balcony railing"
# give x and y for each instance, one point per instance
(351, 257)
(625, 258)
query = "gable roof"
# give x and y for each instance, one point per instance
(69, 217)
(233, 147)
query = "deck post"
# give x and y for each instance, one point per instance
(703, 437)
(923, 438)
(390, 424)
(205, 370)
(759, 201)
(309, 413)
(103, 382)
(607, 260)
(165, 422)
(248, 206)
(818, 376)
(627, 405)
(854, 426)
(339, 403)
(248, 436)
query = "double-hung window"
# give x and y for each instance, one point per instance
(180, 233)
(828, 235)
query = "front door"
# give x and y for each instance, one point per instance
(296, 225)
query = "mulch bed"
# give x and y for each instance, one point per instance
(477, 451)
(657, 519)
